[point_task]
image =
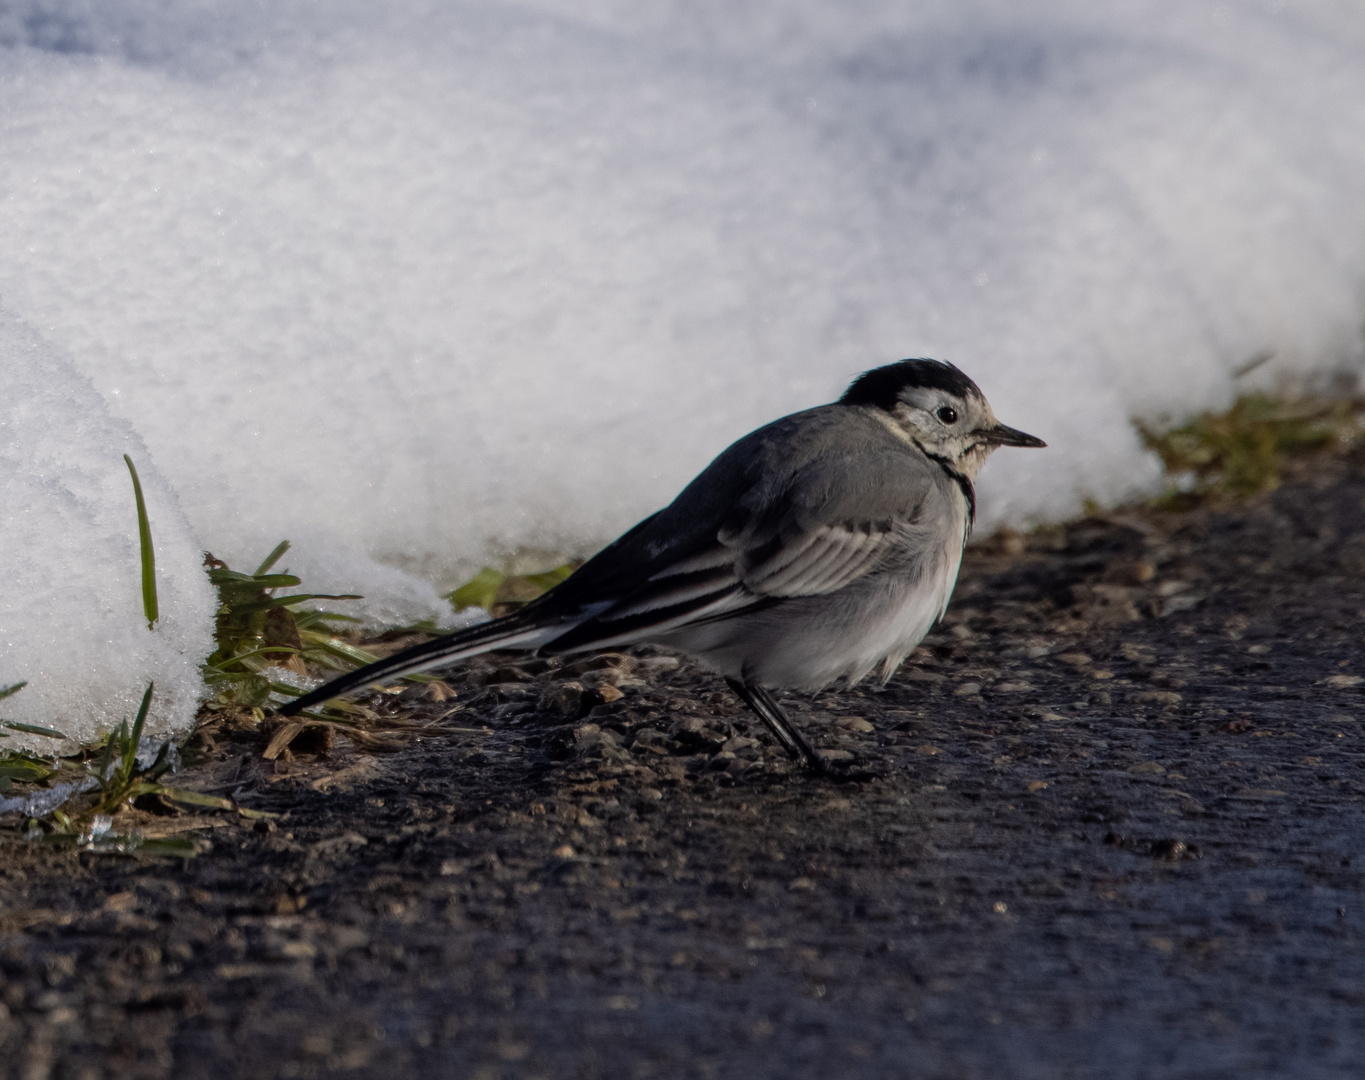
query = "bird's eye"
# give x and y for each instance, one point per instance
(947, 414)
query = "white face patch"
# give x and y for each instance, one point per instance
(922, 416)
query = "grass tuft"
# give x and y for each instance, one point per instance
(253, 627)
(1242, 452)
(115, 775)
(256, 630)
(118, 774)
(21, 765)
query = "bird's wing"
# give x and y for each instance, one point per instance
(818, 528)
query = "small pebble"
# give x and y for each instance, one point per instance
(1010, 542)
(565, 698)
(855, 724)
(1130, 572)
(438, 691)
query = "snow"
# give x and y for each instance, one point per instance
(420, 286)
(71, 616)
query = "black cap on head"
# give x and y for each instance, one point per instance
(881, 387)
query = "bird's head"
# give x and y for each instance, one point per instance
(937, 408)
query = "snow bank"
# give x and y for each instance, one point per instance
(71, 620)
(421, 285)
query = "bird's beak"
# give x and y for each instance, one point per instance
(1000, 435)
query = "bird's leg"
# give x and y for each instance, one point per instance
(768, 710)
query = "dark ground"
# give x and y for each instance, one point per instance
(1097, 827)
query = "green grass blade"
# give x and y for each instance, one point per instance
(265, 650)
(107, 754)
(33, 729)
(311, 615)
(144, 536)
(551, 578)
(286, 601)
(273, 558)
(125, 751)
(258, 581)
(479, 591)
(340, 649)
(8, 690)
(19, 766)
(275, 581)
(305, 619)
(135, 739)
(162, 763)
(221, 575)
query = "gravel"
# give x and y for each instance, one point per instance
(1106, 822)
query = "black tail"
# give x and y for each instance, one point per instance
(510, 631)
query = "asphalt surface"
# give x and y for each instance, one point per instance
(1106, 823)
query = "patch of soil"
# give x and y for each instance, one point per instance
(1106, 822)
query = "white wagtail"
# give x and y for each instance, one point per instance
(809, 552)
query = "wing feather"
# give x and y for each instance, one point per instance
(615, 627)
(711, 557)
(848, 557)
(674, 591)
(830, 558)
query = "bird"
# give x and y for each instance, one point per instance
(811, 551)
